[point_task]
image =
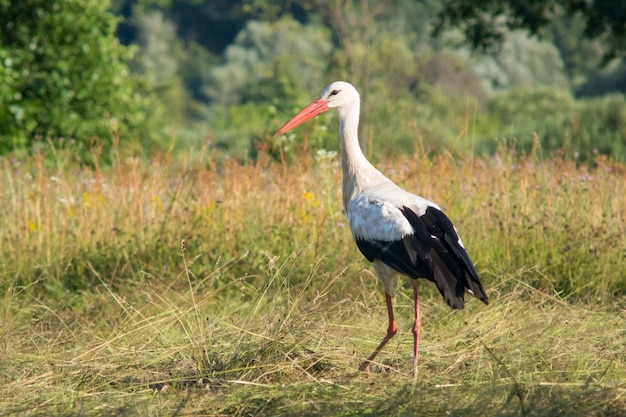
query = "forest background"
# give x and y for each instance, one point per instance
(185, 74)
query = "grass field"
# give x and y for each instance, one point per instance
(171, 287)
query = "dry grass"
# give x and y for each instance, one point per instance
(172, 288)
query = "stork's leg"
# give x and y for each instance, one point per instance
(417, 324)
(391, 331)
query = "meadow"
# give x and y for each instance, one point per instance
(195, 286)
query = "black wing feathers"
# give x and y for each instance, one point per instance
(432, 252)
(445, 270)
(453, 268)
(439, 223)
(402, 255)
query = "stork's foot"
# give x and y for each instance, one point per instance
(365, 367)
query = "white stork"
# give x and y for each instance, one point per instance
(399, 232)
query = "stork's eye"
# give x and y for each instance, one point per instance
(334, 92)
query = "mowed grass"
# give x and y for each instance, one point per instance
(167, 287)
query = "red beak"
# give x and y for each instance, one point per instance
(316, 107)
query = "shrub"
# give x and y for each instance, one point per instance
(523, 113)
(577, 129)
(63, 75)
(601, 127)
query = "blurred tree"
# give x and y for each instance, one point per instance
(574, 128)
(271, 60)
(127, 10)
(524, 61)
(605, 80)
(525, 113)
(267, 69)
(380, 45)
(158, 60)
(485, 22)
(63, 75)
(176, 74)
(369, 35)
(159, 50)
(243, 62)
(580, 54)
(602, 127)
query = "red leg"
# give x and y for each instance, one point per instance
(417, 324)
(391, 331)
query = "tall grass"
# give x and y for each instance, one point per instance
(62, 224)
(197, 287)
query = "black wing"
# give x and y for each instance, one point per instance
(432, 252)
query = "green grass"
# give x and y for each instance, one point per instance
(177, 288)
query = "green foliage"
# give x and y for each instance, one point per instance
(265, 71)
(606, 80)
(601, 127)
(63, 75)
(580, 55)
(235, 128)
(228, 73)
(267, 60)
(554, 121)
(522, 61)
(526, 113)
(485, 22)
(164, 64)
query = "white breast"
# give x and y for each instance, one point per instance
(377, 216)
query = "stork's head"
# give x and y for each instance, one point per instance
(339, 95)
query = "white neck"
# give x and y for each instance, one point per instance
(357, 170)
